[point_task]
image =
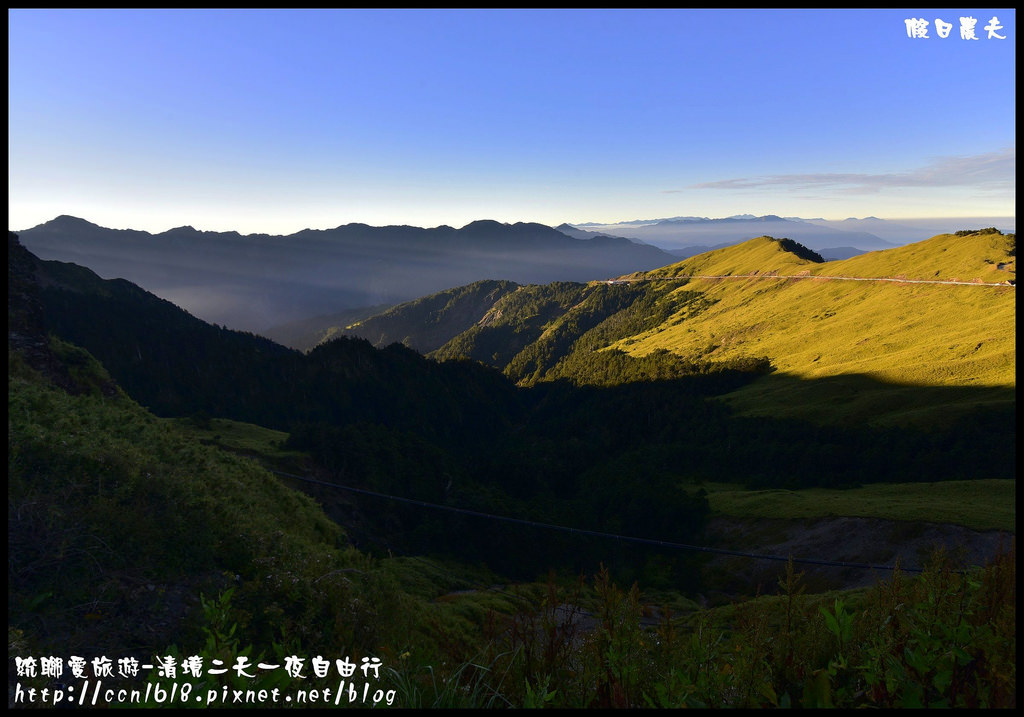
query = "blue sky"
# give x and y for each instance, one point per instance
(277, 120)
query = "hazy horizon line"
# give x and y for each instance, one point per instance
(1002, 218)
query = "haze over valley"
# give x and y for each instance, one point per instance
(260, 282)
(257, 281)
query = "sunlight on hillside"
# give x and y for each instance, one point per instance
(900, 334)
(762, 255)
(921, 334)
(946, 257)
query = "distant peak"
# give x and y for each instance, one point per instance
(66, 221)
(483, 223)
(186, 230)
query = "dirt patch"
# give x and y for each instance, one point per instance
(842, 540)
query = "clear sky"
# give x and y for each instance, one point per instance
(277, 120)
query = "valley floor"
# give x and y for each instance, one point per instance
(837, 539)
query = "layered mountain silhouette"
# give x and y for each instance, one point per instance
(687, 236)
(256, 281)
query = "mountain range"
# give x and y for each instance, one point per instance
(679, 233)
(256, 281)
(277, 284)
(688, 236)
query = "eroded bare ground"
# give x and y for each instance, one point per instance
(840, 539)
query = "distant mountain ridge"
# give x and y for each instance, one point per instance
(256, 281)
(690, 235)
(904, 231)
(684, 233)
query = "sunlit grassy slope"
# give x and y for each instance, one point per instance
(975, 257)
(899, 334)
(981, 256)
(762, 255)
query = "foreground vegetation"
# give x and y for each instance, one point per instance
(942, 639)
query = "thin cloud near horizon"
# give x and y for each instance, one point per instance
(992, 171)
